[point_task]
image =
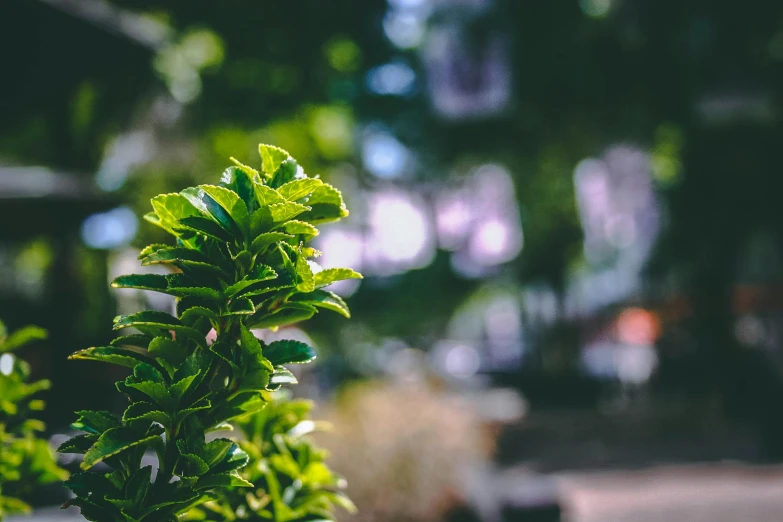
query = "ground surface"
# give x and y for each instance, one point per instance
(706, 493)
(693, 493)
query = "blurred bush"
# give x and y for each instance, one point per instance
(403, 449)
(26, 461)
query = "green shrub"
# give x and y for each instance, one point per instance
(241, 262)
(292, 481)
(26, 461)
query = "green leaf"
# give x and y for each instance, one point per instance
(289, 351)
(194, 363)
(241, 306)
(185, 302)
(330, 275)
(300, 228)
(146, 411)
(147, 372)
(323, 213)
(202, 404)
(234, 459)
(128, 356)
(147, 318)
(184, 286)
(149, 249)
(339, 499)
(113, 442)
(95, 422)
(250, 283)
(288, 170)
(222, 480)
(206, 227)
(198, 311)
(142, 341)
(157, 392)
(324, 299)
(78, 444)
(283, 280)
(242, 404)
(267, 196)
(156, 319)
(11, 505)
(299, 188)
(289, 313)
(138, 485)
(256, 368)
(154, 282)
(211, 208)
(263, 241)
(180, 257)
(181, 387)
(171, 209)
(252, 346)
(285, 464)
(282, 376)
(281, 212)
(168, 349)
(327, 205)
(230, 202)
(305, 275)
(22, 336)
(288, 256)
(227, 351)
(216, 451)
(86, 483)
(271, 158)
(250, 172)
(240, 180)
(190, 465)
(326, 194)
(173, 284)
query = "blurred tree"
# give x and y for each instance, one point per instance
(696, 83)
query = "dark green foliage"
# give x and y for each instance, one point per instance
(26, 461)
(291, 481)
(240, 263)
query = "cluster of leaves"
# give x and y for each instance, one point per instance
(292, 482)
(26, 461)
(241, 263)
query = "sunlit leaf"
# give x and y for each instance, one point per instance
(288, 170)
(240, 180)
(299, 188)
(330, 275)
(231, 202)
(264, 240)
(300, 228)
(271, 158)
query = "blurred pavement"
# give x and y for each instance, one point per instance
(695, 493)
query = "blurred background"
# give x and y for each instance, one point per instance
(568, 214)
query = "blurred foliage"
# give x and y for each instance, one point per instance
(291, 479)
(26, 461)
(697, 84)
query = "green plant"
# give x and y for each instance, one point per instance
(292, 481)
(26, 461)
(241, 262)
